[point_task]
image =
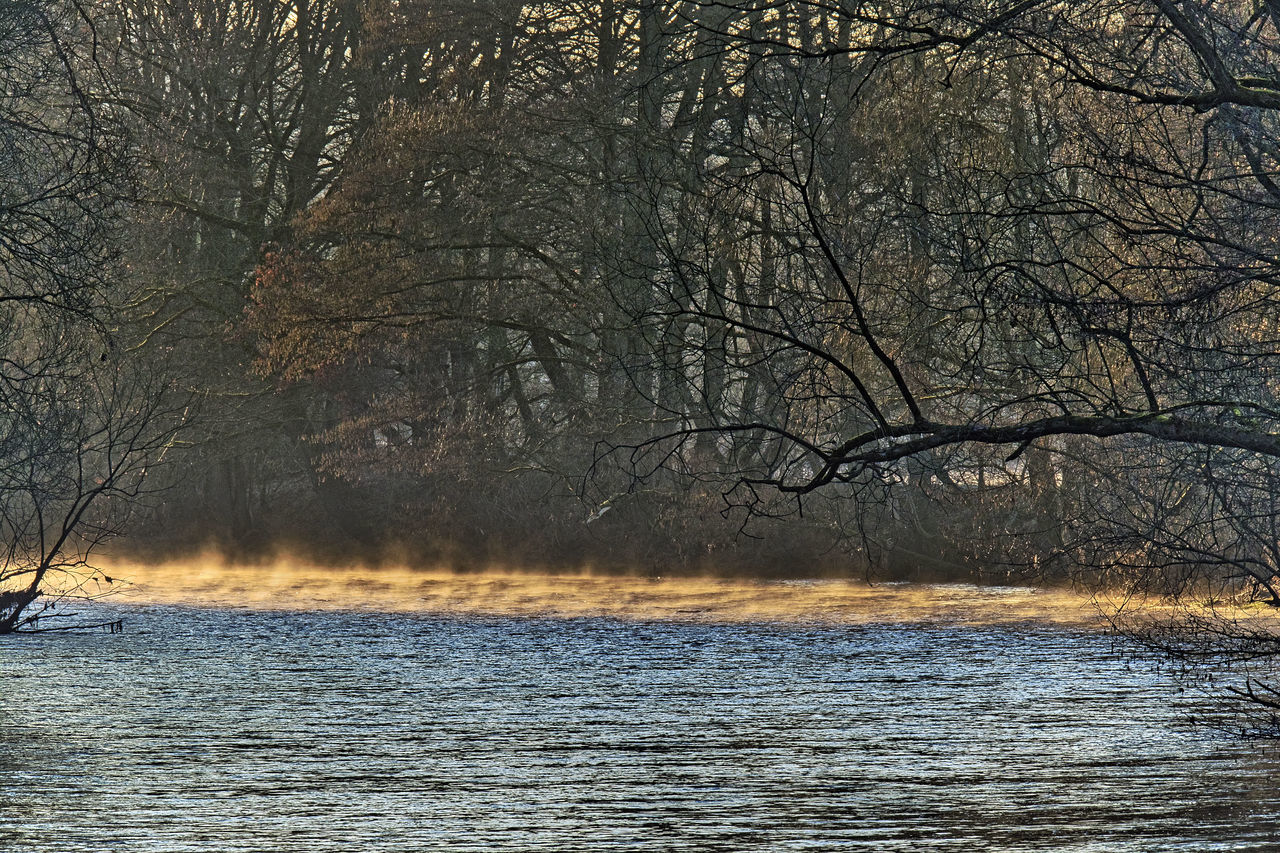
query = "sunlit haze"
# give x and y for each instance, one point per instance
(284, 584)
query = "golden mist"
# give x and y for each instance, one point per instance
(292, 585)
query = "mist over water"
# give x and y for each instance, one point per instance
(285, 584)
(253, 729)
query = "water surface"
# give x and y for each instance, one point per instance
(235, 730)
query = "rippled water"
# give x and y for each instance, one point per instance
(232, 730)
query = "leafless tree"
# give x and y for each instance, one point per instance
(77, 424)
(1019, 257)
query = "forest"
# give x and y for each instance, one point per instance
(894, 289)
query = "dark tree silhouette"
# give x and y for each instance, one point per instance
(76, 420)
(1023, 244)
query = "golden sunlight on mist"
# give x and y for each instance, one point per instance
(288, 585)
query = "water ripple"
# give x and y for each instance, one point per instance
(227, 730)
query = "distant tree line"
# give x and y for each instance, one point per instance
(956, 286)
(929, 287)
(910, 261)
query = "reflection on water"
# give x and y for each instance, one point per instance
(237, 730)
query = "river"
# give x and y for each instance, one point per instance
(225, 729)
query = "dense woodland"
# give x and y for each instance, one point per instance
(907, 288)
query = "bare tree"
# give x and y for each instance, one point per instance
(1073, 257)
(240, 115)
(76, 423)
(74, 457)
(1018, 257)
